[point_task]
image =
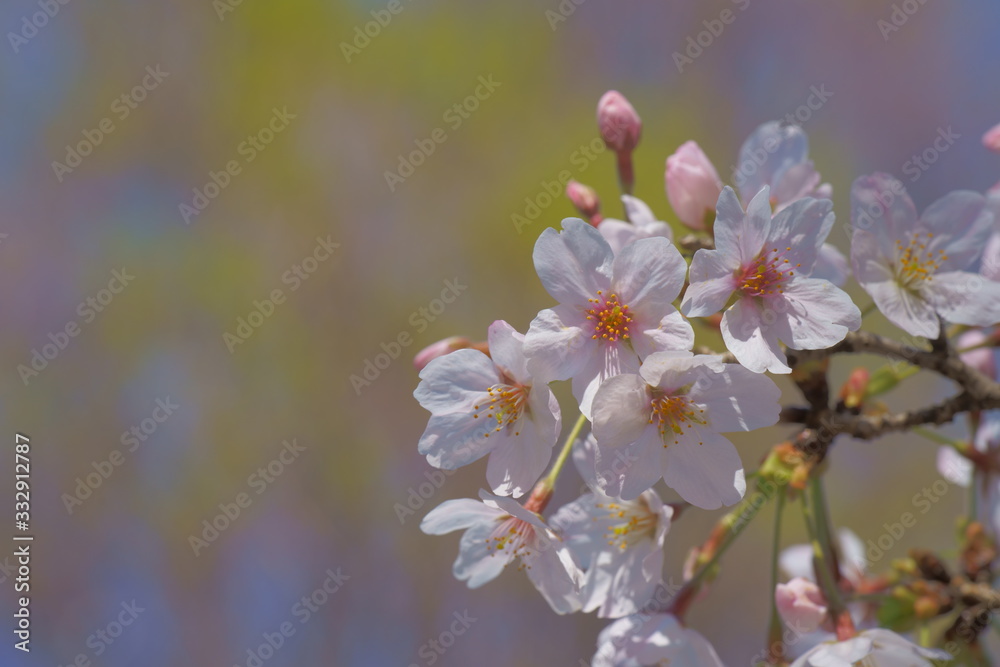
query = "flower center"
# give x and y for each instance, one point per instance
(916, 263)
(767, 274)
(505, 405)
(630, 523)
(511, 538)
(611, 319)
(675, 414)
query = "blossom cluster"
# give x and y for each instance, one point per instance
(621, 331)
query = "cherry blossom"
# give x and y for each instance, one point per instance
(612, 312)
(481, 405)
(872, 648)
(499, 531)
(918, 268)
(620, 545)
(652, 639)
(669, 417)
(766, 264)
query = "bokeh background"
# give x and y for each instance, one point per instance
(226, 67)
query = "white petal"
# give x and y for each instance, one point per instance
(712, 283)
(556, 346)
(964, 298)
(672, 332)
(609, 359)
(738, 399)
(552, 570)
(747, 338)
(730, 227)
(638, 212)
(621, 410)
(962, 219)
(455, 381)
(813, 314)
(476, 563)
(803, 227)
(641, 465)
(908, 311)
(707, 475)
(648, 275)
(506, 347)
(880, 205)
(515, 467)
(617, 233)
(457, 439)
(831, 265)
(574, 264)
(456, 514)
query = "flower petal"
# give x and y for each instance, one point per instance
(880, 205)
(738, 399)
(515, 467)
(964, 298)
(648, 275)
(621, 410)
(747, 338)
(476, 563)
(556, 346)
(705, 469)
(506, 347)
(814, 314)
(456, 514)
(712, 283)
(770, 150)
(455, 381)
(574, 264)
(964, 220)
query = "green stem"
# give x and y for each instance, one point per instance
(814, 508)
(940, 439)
(737, 520)
(550, 479)
(774, 633)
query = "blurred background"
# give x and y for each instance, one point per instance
(202, 241)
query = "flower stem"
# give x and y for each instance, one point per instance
(940, 439)
(824, 562)
(550, 479)
(868, 309)
(734, 524)
(775, 644)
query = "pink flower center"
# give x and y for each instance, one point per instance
(511, 538)
(505, 406)
(916, 263)
(631, 523)
(767, 274)
(611, 319)
(675, 414)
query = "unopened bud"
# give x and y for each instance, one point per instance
(585, 200)
(693, 185)
(801, 604)
(853, 393)
(619, 123)
(992, 139)
(439, 349)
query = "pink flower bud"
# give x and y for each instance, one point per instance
(585, 200)
(982, 359)
(439, 349)
(693, 185)
(801, 605)
(992, 139)
(620, 124)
